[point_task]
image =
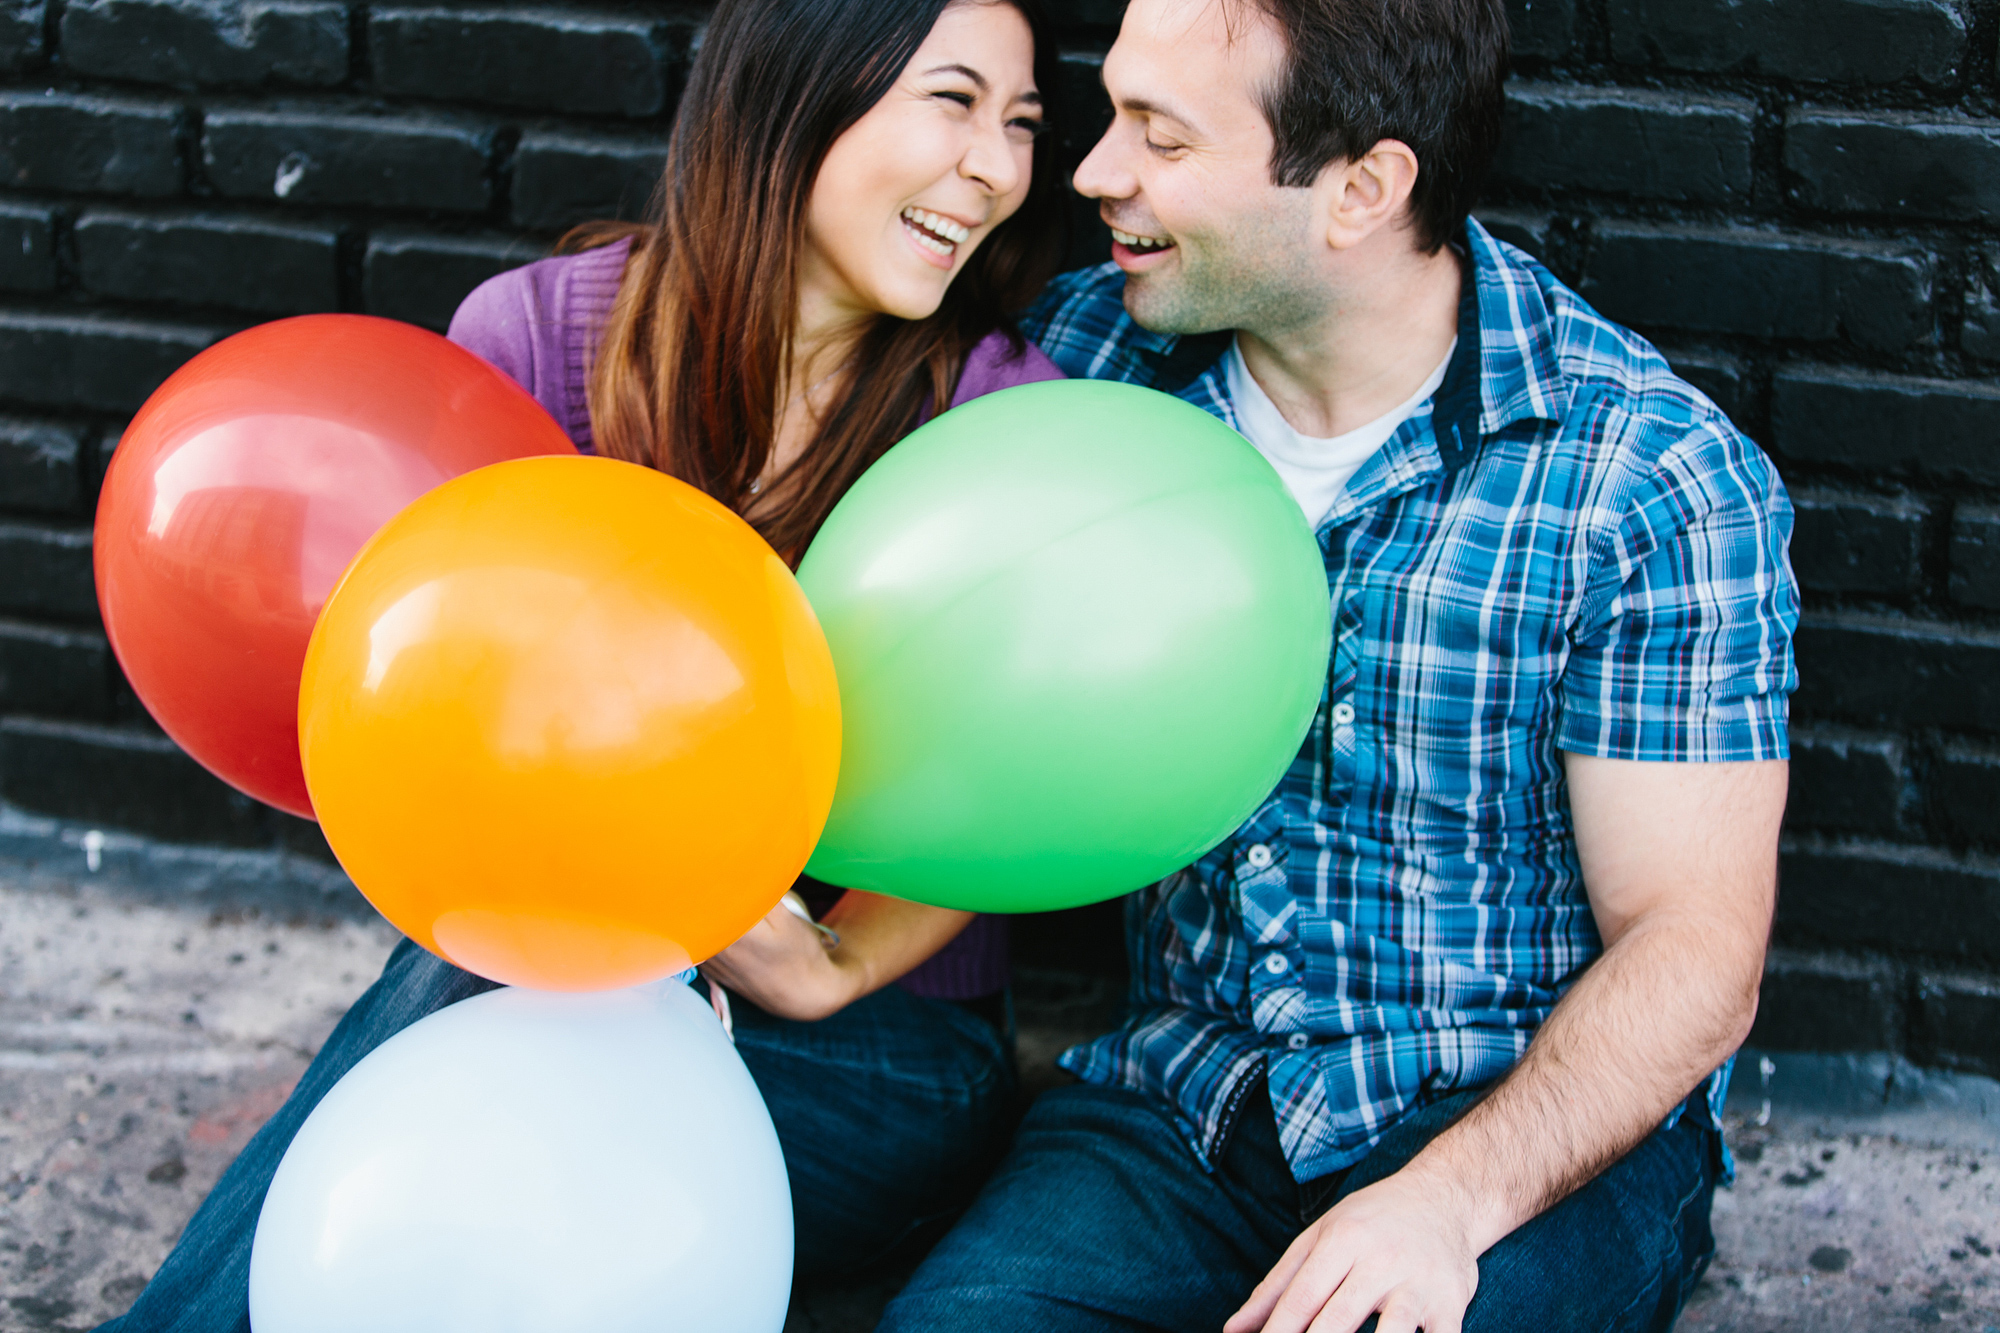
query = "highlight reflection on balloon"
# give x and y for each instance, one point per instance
(242, 489)
(570, 723)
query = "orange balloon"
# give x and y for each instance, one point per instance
(242, 489)
(570, 724)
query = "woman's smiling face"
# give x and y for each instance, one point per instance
(912, 188)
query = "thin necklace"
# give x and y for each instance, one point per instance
(757, 486)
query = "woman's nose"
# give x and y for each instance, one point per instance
(991, 162)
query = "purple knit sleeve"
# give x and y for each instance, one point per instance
(996, 363)
(540, 324)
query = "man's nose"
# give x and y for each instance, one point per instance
(1104, 173)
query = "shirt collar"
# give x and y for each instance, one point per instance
(1504, 370)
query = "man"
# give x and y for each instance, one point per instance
(1441, 1035)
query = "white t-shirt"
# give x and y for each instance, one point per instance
(1315, 469)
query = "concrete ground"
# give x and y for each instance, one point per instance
(154, 1010)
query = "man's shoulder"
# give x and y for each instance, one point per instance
(1615, 393)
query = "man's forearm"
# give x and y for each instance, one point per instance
(1638, 1031)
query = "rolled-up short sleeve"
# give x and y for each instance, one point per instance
(1684, 648)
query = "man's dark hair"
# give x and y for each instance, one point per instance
(1426, 72)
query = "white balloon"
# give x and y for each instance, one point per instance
(524, 1162)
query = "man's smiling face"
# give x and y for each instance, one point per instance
(1183, 175)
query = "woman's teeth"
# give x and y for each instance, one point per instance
(939, 235)
(1139, 243)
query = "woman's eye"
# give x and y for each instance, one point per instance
(1162, 148)
(1029, 125)
(963, 99)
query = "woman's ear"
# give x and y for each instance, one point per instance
(1361, 196)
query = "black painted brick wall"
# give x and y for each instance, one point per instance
(1797, 200)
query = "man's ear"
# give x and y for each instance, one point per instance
(1360, 197)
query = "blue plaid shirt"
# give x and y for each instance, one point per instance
(1567, 548)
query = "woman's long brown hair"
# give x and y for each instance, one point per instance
(693, 355)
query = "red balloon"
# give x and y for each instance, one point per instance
(242, 490)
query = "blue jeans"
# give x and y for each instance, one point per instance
(1100, 1220)
(889, 1113)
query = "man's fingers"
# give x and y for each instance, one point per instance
(1445, 1321)
(1399, 1315)
(1326, 1277)
(1257, 1310)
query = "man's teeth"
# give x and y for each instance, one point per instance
(1131, 242)
(940, 235)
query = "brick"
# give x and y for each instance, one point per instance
(96, 145)
(220, 43)
(1883, 896)
(27, 247)
(97, 362)
(1085, 106)
(563, 177)
(1975, 556)
(591, 62)
(1862, 544)
(123, 779)
(46, 572)
(313, 157)
(1958, 1022)
(1542, 29)
(421, 278)
(1760, 284)
(1965, 792)
(1627, 141)
(21, 27)
(1887, 424)
(41, 466)
(1892, 671)
(1836, 41)
(1846, 781)
(1088, 14)
(1823, 1002)
(1895, 163)
(54, 672)
(248, 263)
(1979, 335)
(1725, 380)
(1526, 231)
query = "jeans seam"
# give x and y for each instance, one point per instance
(1653, 1288)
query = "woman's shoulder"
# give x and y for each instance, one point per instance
(1001, 360)
(538, 322)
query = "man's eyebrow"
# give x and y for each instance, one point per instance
(1147, 107)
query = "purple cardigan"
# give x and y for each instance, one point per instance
(539, 323)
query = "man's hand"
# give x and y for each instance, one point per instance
(1399, 1246)
(1680, 863)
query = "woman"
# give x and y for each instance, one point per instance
(857, 193)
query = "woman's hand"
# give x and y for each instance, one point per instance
(783, 968)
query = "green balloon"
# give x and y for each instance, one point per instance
(1081, 629)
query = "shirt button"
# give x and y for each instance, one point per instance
(1259, 856)
(1275, 964)
(1343, 714)
(1297, 1041)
